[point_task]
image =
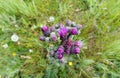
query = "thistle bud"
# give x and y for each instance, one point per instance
(67, 51)
(42, 38)
(78, 43)
(60, 56)
(53, 36)
(52, 28)
(76, 50)
(51, 52)
(60, 49)
(44, 28)
(74, 31)
(63, 32)
(47, 33)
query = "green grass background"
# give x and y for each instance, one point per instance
(100, 56)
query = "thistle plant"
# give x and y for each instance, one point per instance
(63, 35)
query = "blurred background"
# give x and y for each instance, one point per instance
(23, 55)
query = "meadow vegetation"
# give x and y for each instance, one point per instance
(26, 58)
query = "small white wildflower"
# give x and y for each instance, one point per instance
(30, 50)
(5, 45)
(14, 38)
(51, 19)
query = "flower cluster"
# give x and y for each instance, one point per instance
(63, 34)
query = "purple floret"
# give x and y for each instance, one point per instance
(78, 43)
(69, 42)
(54, 37)
(68, 50)
(60, 49)
(63, 32)
(44, 28)
(60, 56)
(47, 33)
(76, 50)
(74, 31)
(42, 38)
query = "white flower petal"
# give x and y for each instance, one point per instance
(14, 38)
(51, 19)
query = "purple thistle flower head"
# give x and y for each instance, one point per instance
(74, 31)
(47, 33)
(60, 56)
(78, 43)
(53, 36)
(76, 50)
(63, 32)
(44, 28)
(42, 38)
(60, 49)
